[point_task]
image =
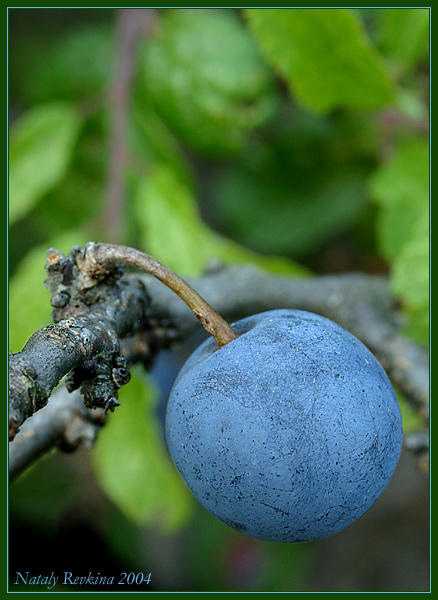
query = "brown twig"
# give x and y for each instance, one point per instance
(97, 256)
(85, 340)
(131, 22)
(360, 303)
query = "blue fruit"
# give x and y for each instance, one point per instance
(288, 433)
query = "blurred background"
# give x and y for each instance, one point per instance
(294, 139)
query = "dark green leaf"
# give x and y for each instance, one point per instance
(273, 215)
(75, 66)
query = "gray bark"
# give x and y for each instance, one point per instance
(107, 321)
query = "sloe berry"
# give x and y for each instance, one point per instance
(288, 433)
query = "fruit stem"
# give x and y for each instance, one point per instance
(110, 254)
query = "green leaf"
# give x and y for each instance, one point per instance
(154, 142)
(81, 193)
(173, 232)
(410, 279)
(40, 151)
(324, 56)
(411, 103)
(77, 201)
(411, 420)
(206, 78)
(132, 463)
(401, 188)
(171, 229)
(403, 35)
(29, 300)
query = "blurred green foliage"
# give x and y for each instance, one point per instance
(132, 465)
(401, 189)
(324, 56)
(403, 37)
(29, 300)
(216, 87)
(41, 148)
(190, 244)
(271, 136)
(313, 170)
(73, 67)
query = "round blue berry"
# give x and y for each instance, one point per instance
(288, 433)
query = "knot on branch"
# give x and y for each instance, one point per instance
(77, 281)
(99, 379)
(92, 270)
(89, 324)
